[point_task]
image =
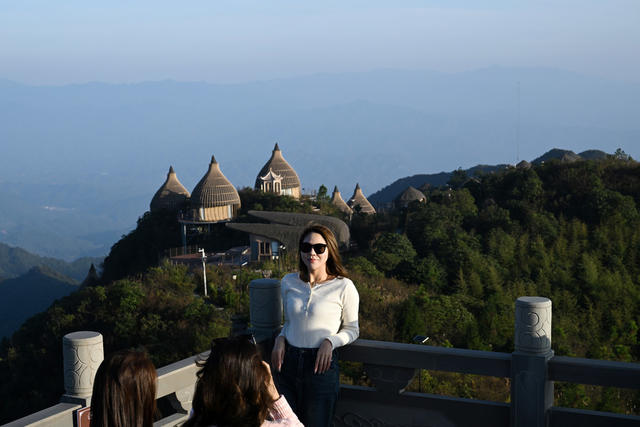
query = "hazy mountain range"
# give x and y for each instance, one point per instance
(80, 163)
(29, 294)
(16, 261)
(30, 283)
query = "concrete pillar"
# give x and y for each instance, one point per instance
(531, 391)
(83, 353)
(265, 308)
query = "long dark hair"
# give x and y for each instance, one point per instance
(124, 391)
(334, 262)
(232, 388)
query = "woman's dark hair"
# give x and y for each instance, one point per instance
(233, 386)
(334, 262)
(124, 391)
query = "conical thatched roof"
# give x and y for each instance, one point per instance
(409, 195)
(171, 195)
(279, 166)
(523, 165)
(336, 200)
(214, 189)
(358, 199)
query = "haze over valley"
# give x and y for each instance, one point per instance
(81, 162)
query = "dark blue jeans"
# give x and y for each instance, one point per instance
(311, 396)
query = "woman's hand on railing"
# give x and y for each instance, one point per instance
(277, 354)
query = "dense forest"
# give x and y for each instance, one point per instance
(450, 268)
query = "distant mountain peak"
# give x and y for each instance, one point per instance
(44, 271)
(16, 261)
(570, 156)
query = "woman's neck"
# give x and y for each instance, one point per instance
(318, 276)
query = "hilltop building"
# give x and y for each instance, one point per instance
(337, 201)
(358, 202)
(171, 195)
(268, 241)
(409, 195)
(277, 176)
(213, 200)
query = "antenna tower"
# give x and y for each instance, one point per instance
(518, 124)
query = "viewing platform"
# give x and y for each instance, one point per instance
(531, 369)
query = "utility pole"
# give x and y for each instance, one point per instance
(420, 339)
(204, 270)
(518, 127)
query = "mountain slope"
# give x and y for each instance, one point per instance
(16, 261)
(393, 190)
(31, 293)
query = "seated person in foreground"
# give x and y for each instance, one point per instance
(124, 391)
(235, 388)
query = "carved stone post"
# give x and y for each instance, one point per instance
(265, 308)
(531, 391)
(82, 354)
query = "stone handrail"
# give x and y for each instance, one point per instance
(532, 368)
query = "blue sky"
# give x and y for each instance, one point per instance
(44, 42)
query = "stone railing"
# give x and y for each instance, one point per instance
(532, 368)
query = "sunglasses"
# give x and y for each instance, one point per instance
(319, 248)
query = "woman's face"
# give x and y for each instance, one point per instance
(315, 262)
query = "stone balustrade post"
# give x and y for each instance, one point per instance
(265, 308)
(531, 390)
(83, 353)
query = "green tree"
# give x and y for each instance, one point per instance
(322, 196)
(390, 249)
(458, 178)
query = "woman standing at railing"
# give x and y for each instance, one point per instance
(321, 314)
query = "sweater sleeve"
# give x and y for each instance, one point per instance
(349, 329)
(283, 298)
(282, 415)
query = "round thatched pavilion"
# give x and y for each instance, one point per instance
(171, 195)
(411, 194)
(214, 199)
(277, 176)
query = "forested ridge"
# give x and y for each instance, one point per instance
(450, 269)
(567, 231)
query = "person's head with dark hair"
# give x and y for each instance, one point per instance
(124, 391)
(318, 248)
(233, 387)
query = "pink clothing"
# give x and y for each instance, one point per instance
(282, 415)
